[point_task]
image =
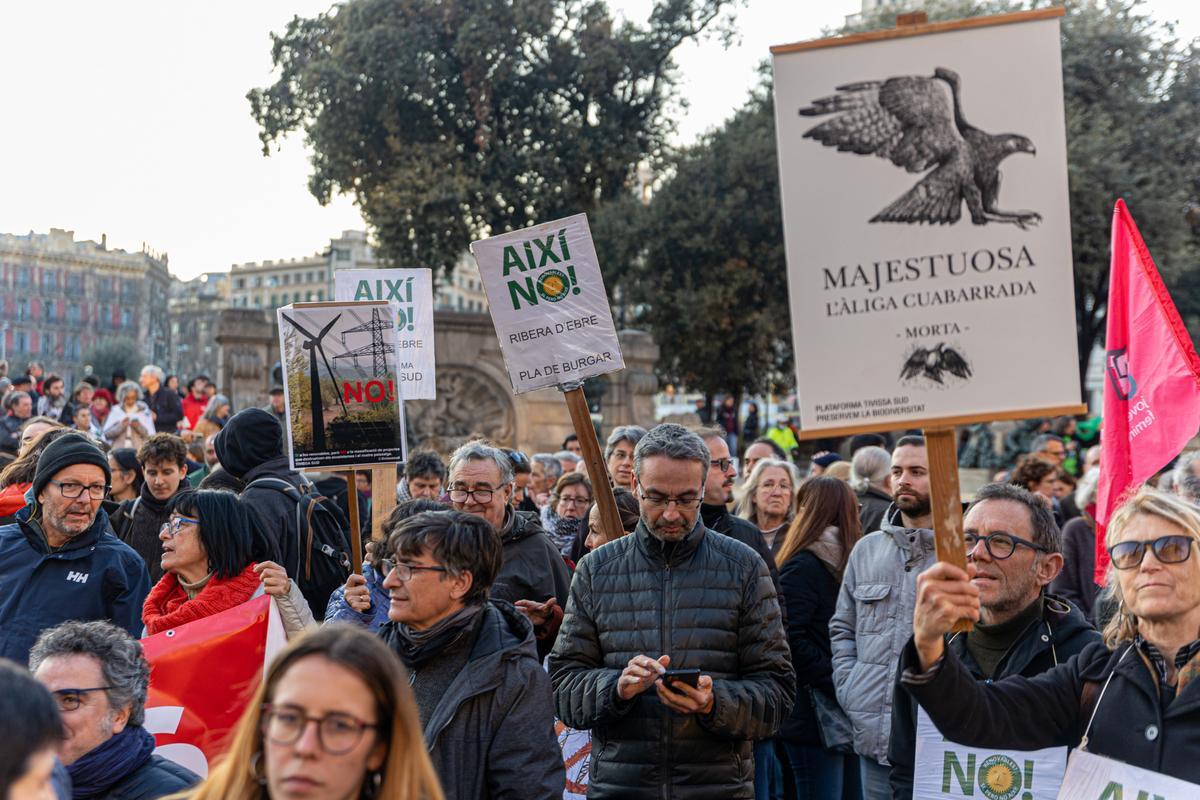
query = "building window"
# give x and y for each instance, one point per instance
(73, 313)
(126, 318)
(295, 297)
(255, 282)
(20, 341)
(321, 275)
(22, 309)
(308, 297)
(23, 279)
(240, 283)
(342, 255)
(286, 278)
(274, 301)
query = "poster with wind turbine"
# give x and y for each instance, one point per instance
(340, 385)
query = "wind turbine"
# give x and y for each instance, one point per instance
(313, 344)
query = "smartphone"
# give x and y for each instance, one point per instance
(689, 676)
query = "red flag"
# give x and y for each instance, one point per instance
(202, 676)
(1152, 386)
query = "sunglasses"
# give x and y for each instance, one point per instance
(1167, 549)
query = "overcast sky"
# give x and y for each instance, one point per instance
(129, 118)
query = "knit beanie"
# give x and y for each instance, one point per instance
(64, 452)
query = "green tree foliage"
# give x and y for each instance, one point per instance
(1132, 97)
(110, 355)
(448, 120)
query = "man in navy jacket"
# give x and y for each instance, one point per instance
(59, 561)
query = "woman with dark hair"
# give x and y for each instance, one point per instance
(213, 559)
(563, 516)
(811, 562)
(127, 477)
(592, 536)
(367, 742)
(31, 735)
(17, 478)
(1038, 477)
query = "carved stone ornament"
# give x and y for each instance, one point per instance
(469, 404)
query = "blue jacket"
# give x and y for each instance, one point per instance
(93, 576)
(338, 610)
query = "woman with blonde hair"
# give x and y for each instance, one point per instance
(1134, 698)
(768, 499)
(334, 718)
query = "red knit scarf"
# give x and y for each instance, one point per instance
(167, 605)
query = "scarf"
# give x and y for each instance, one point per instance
(561, 530)
(828, 548)
(417, 647)
(167, 605)
(94, 773)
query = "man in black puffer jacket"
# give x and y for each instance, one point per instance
(672, 595)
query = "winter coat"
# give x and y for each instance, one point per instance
(717, 518)
(137, 523)
(12, 500)
(193, 409)
(338, 610)
(156, 777)
(10, 434)
(1061, 633)
(532, 569)
(872, 622)
(130, 437)
(93, 576)
(491, 735)
(810, 593)
(872, 507)
(708, 602)
(1052, 709)
(1076, 583)
(52, 408)
(167, 408)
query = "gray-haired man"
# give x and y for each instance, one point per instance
(672, 594)
(99, 676)
(533, 575)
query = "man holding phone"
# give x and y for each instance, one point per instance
(672, 651)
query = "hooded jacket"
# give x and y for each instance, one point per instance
(872, 623)
(708, 602)
(491, 735)
(93, 576)
(1061, 633)
(532, 569)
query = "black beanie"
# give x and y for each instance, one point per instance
(64, 452)
(250, 438)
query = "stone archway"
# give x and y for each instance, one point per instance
(469, 405)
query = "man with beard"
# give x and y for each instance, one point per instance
(672, 596)
(873, 621)
(1016, 548)
(59, 560)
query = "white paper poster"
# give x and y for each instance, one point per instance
(411, 291)
(1093, 777)
(927, 226)
(548, 303)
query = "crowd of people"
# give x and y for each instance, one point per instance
(761, 626)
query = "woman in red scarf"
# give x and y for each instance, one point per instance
(213, 561)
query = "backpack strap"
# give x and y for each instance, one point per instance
(278, 484)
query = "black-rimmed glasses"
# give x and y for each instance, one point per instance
(656, 500)
(337, 733)
(72, 490)
(1173, 549)
(722, 464)
(72, 699)
(1000, 545)
(404, 571)
(481, 496)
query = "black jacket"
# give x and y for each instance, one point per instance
(718, 518)
(533, 569)
(167, 408)
(156, 777)
(10, 434)
(708, 602)
(491, 735)
(1052, 709)
(1063, 632)
(137, 523)
(810, 592)
(872, 508)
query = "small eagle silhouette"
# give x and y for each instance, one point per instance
(911, 122)
(932, 362)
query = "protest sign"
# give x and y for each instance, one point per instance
(923, 289)
(943, 769)
(411, 290)
(340, 385)
(1093, 777)
(548, 303)
(203, 675)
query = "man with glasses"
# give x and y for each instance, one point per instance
(533, 575)
(481, 693)
(1049, 448)
(99, 676)
(59, 560)
(1015, 545)
(672, 595)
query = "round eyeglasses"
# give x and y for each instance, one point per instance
(337, 733)
(1000, 545)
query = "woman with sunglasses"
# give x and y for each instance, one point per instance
(1134, 698)
(213, 559)
(334, 718)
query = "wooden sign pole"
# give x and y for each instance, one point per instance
(383, 499)
(941, 449)
(593, 457)
(355, 527)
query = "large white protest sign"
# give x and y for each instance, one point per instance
(943, 769)
(927, 227)
(548, 304)
(411, 291)
(1093, 777)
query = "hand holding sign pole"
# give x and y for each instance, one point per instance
(548, 304)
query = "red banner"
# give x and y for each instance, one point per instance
(1152, 386)
(202, 676)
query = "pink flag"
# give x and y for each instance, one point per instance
(1152, 391)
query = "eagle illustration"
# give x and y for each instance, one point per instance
(933, 362)
(910, 121)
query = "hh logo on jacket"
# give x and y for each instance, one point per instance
(78, 577)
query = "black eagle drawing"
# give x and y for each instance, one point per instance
(933, 362)
(911, 122)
